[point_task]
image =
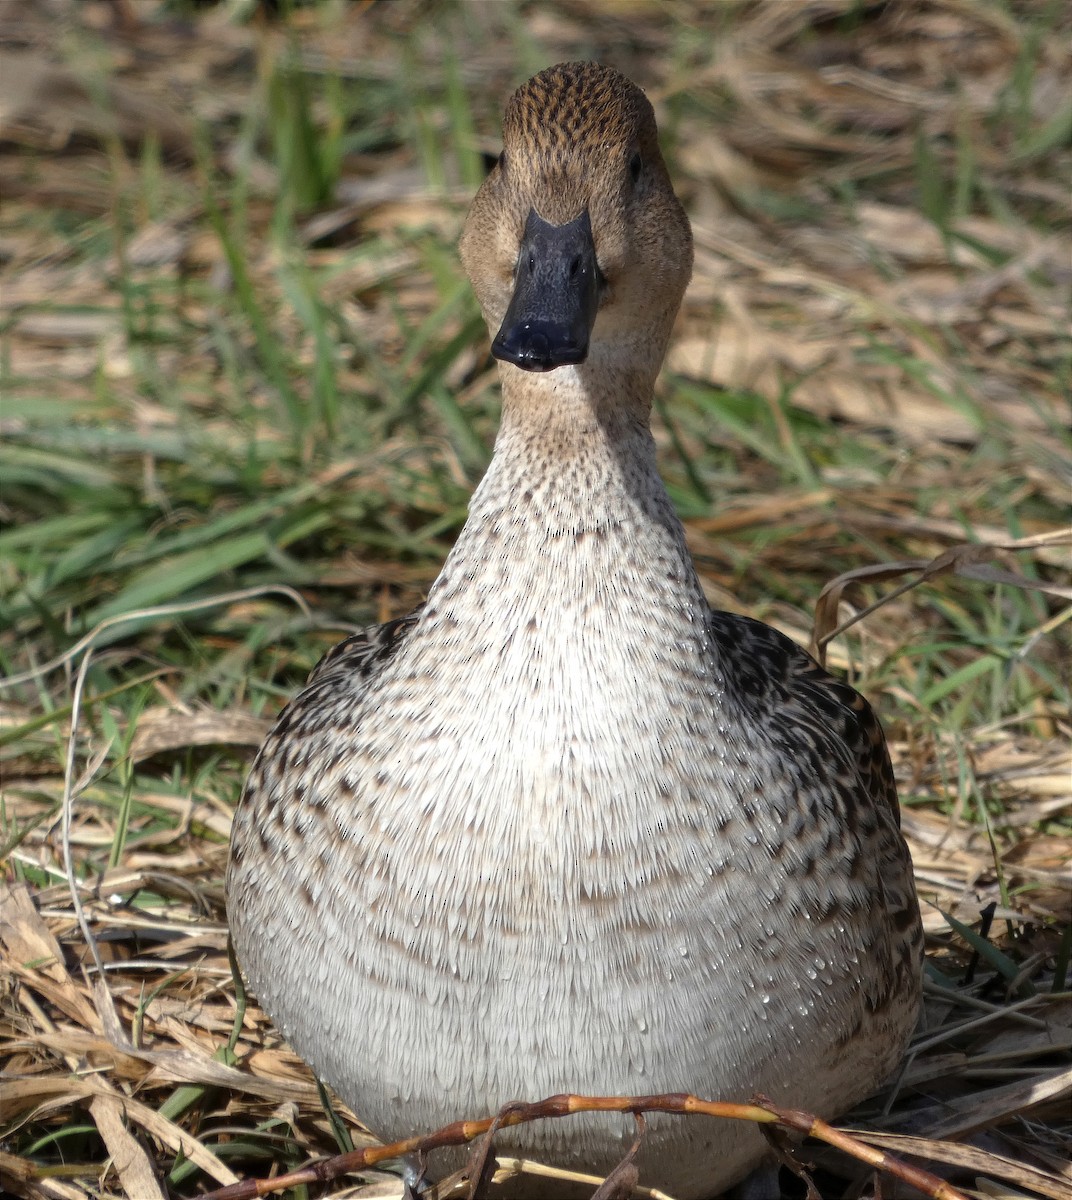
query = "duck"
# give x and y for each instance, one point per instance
(566, 827)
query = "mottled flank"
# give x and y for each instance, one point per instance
(565, 828)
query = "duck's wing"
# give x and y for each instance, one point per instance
(363, 653)
(807, 704)
(333, 690)
(837, 707)
(846, 778)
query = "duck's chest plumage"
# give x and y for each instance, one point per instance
(537, 738)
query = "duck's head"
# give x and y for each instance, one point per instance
(576, 244)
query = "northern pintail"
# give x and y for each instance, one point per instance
(565, 827)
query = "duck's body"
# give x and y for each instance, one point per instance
(566, 828)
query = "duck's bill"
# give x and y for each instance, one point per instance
(556, 295)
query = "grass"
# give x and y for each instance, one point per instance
(246, 394)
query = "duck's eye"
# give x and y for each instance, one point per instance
(636, 164)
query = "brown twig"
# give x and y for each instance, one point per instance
(969, 559)
(762, 1111)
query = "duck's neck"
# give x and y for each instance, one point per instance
(567, 630)
(572, 506)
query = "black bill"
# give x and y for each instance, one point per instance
(556, 295)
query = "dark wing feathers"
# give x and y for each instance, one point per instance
(794, 685)
(329, 693)
(796, 694)
(853, 720)
(364, 651)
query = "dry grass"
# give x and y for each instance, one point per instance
(237, 352)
